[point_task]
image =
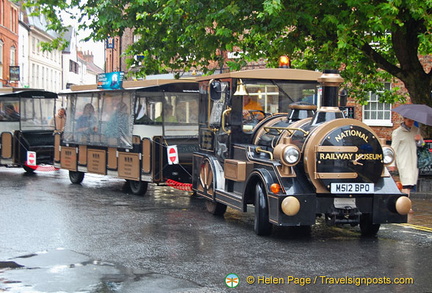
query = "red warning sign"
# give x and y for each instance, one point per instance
(31, 158)
(172, 155)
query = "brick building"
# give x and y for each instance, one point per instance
(8, 43)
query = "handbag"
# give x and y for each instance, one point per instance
(424, 157)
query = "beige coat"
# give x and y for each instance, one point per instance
(405, 146)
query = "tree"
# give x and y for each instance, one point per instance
(371, 41)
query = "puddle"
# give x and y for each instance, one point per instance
(66, 271)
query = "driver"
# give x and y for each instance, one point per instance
(249, 104)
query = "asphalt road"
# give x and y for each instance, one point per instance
(97, 237)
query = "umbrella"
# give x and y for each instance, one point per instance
(416, 112)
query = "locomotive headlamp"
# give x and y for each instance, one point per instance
(388, 155)
(291, 155)
(287, 153)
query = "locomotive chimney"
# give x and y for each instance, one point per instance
(330, 81)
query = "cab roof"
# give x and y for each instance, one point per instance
(268, 73)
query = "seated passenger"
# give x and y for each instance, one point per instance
(10, 113)
(87, 122)
(118, 125)
(167, 115)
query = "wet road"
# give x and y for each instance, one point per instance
(95, 237)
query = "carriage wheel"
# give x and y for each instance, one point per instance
(76, 177)
(138, 187)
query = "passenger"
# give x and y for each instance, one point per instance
(59, 120)
(404, 141)
(249, 105)
(118, 125)
(168, 115)
(10, 113)
(87, 122)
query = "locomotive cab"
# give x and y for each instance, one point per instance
(292, 163)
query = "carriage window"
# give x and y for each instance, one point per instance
(103, 119)
(172, 108)
(37, 113)
(9, 110)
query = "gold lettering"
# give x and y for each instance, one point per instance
(350, 156)
(352, 132)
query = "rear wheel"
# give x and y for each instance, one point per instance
(367, 227)
(138, 187)
(215, 208)
(262, 226)
(76, 177)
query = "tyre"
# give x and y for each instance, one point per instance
(367, 228)
(262, 226)
(138, 187)
(76, 177)
(215, 208)
(28, 169)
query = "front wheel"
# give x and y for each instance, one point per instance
(76, 177)
(138, 187)
(367, 227)
(262, 226)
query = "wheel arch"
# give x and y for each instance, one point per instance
(257, 175)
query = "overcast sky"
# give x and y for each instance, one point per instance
(97, 48)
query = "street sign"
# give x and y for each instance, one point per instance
(31, 158)
(172, 155)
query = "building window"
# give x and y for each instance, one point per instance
(73, 66)
(14, 20)
(376, 113)
(1, 59)
(12, 56)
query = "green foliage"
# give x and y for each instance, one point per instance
(370, 41)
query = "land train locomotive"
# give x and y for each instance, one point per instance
(291, 167)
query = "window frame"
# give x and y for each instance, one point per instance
(387, 107)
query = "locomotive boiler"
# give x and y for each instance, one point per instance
(292, 167)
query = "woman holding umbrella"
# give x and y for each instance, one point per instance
(404, 141)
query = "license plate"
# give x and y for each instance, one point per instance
(350, 188)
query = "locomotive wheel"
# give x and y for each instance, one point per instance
(367, 228)
(262, 226)
(76, 177)
(138, 187)
(215, 208)
(206, 178)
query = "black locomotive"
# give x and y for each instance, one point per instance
(292, 168)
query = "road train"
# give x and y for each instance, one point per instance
(274, 139)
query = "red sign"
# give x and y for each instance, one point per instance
(31, 158)
(172, 155)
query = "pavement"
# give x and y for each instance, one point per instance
(422, 203)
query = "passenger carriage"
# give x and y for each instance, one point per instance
(27, 128)
(127, 132)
